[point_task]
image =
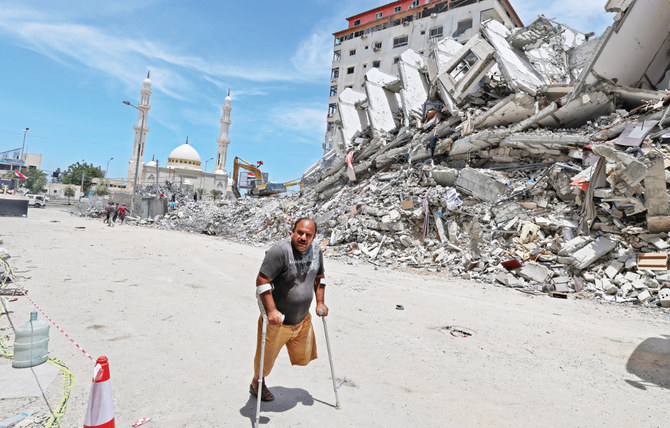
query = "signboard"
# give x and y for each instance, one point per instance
(9, 182)
(247, 180)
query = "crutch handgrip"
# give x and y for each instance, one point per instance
(261, 307)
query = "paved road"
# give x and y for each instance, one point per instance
(175, 314)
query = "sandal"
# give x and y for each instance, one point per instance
(266, 396)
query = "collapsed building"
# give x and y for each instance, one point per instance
(549, 170)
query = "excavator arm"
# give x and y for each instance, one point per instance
(296, 182)
(241, 163)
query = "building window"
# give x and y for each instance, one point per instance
(490, 14)
(336, 56)
(400, 41)
(333, 91)
(462, 27)
(350, 70)
(335, 73)
(436, 32)
(352, 52)
(396, 59)
(379, 15)
(332, 108)
(357, 22)
(397, 9)
(376, 64)
(378, 45)
(461, 68)
(415, 3)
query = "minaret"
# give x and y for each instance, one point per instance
(223, 140)
(143, 114)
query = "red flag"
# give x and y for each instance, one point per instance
(21, 176)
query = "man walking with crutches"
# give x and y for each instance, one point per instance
(293, 269)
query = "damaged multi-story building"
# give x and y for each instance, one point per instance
(550, 146)
(377, 37)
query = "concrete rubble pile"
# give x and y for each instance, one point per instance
(554, 142)
(549, 170)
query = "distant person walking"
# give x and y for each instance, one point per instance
(108, 213)
(432, 143)
(111, 215)
(122, 213)
(116, 213)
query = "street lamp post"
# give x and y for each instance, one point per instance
(107, 168)
(206, 162)
(137, 159)
(24, 142)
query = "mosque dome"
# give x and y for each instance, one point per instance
(228, 98)
(151, 163)
(185, 157)
(219, 172)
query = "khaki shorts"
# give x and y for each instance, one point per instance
(299, 341)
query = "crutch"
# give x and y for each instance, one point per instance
(330, 358)
(259, 391)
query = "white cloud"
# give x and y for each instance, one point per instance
(313, 58)
(304, 121)
(116, 56)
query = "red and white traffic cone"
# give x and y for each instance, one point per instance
(100, 413)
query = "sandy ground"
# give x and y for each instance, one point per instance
(176, 315)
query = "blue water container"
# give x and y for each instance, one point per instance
(31, 343)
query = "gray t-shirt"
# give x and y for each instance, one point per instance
(293, 274)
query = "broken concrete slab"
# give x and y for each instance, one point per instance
(353, 117)
(592, 252)
(646, 50)
(382, 103)
(519, 73)
(536, 272)
(613, 269)
(512, 109)
(481, 186)
(469, 65)
(414, 91)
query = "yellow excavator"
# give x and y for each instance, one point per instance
(296, 182)
(260, 188)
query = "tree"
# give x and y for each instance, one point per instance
(101, 189)
(201, 192)
(215, 194)
(37, 180)
(69, 192)
(75, 171)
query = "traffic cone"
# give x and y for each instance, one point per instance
(100, 412)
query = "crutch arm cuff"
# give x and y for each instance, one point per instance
(263, 288)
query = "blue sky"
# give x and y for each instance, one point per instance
(68, 64)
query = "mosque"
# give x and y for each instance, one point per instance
(184, 166)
